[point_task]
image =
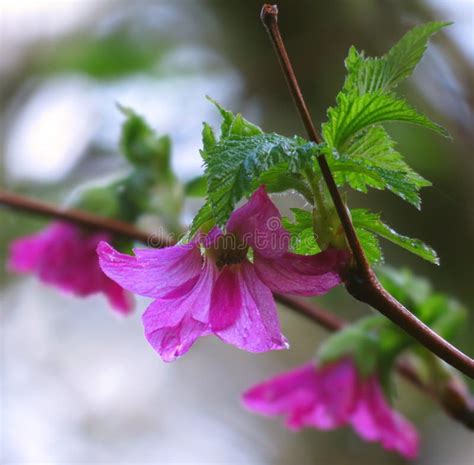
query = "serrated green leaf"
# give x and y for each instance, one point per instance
(245, 158)
(405, 55)
(384, 73)
(355, 113)
(235, 125)
(242, 127)
(204, 219)
(370, 244)
(371, 222)
(303, 241)
(227, 117)
(208, 139)
(360, 175)
(370, 160)
(234, 163)
(365, 154)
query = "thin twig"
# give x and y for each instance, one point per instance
(454, 404)
(81, 218)
(361, 281)
(321, 317)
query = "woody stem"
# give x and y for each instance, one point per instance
(360, 280)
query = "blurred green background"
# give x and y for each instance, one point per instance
(78, 385)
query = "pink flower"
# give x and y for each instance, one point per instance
(209, 286)
(64, 256)
(332, 396)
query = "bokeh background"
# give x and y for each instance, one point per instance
(79, 385)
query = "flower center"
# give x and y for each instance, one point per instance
(228, 249)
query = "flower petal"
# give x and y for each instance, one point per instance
(337, 391)
(243, 312)
(157, 273)
(302, 274)
(25, 253)
(374, 420)
(258, 223)
(65, 256)
(292, 393)
(120, 300)
(173, 325)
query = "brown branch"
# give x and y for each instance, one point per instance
(452, 401)
(361, 281)
(321, 317)
(81, 218)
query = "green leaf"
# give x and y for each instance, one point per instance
(204, 220)
(101, 201)
(355, 112)
(303, 218)
(370, 244)
(404, 285)
(208, 139)
(442, 313)
(372, 223)
(244, 158)
(133, 194)
(234, 125)
(450, 319)
(360, 151)
(370, 160)
(234, 163)
(359, 341)
(113, 53)
(405, 55)
(143, 147)
(303, 241)
(227, 117)
(279, 179)
(367, 75)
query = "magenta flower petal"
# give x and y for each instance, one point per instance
(337, 390)
(173, 325)
(243, 312)
(302, 274)
(227, 300)
(25, 253)
(118, 297)
(258, 223)
(64, 256)
(374, 420)
(333, 396)
(292, 394)
(153, 272)
(171, 342)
